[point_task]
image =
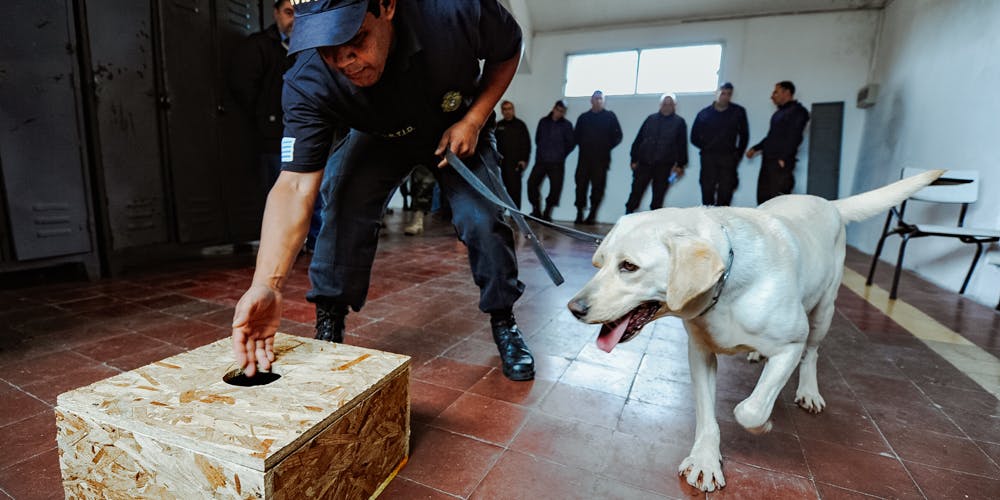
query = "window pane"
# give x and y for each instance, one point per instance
(611, 72)
(679, 69)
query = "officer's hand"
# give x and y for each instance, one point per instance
(255, 322)
(678, 170)
(781, 163)
(461, 138)
(521, 165)
(633, 165)
(751, 153)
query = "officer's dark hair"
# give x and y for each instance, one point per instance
(787, 85)
(277, 3)
(375, 8)
(502, 104)
(728, 86)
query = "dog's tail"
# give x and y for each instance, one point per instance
(862, 206)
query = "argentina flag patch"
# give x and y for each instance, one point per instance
(287, 149)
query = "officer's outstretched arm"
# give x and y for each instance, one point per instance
(462, 137)
(286, 222)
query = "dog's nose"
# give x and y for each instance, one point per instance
(578, 307)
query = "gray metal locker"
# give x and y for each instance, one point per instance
(825, 132)
(121, 51)
(238, 162)
(190, 116)
(40, 131)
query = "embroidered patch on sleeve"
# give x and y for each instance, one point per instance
(287, 148)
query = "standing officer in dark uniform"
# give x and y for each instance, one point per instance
(514, 144)
(781, 144)
(721, 132)
(554, 138)
(406, 78)
(659, 150)
(597, 133)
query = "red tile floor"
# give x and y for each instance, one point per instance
(901, 421)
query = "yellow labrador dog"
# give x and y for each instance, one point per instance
(742, 279)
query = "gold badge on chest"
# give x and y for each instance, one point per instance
(451, 101)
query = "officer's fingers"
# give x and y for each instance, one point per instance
(262, 358)
(239, 346)
(269, 348)
(250, 367)
(443, 143)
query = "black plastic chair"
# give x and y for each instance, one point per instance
(955, 187)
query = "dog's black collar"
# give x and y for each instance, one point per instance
(725, 275)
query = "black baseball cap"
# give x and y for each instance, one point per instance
(321, 23)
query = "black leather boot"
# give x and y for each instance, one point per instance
(591, 218)
(547, 214)
(516, 359)
(579, 216)
(330, 322)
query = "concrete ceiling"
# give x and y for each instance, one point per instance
(562, 15)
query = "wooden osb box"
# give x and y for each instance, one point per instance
(335, 425)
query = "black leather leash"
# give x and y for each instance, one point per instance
(498, 196)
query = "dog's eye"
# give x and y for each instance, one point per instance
(627, 267)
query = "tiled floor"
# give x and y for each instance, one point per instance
(901, 422)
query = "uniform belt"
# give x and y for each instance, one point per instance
(498, 196)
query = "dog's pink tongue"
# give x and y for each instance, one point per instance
(609, 337)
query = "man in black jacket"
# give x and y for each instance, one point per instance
(597, 133)
(257, 67)
(781, 144)
(514, 144)
(659, 152)
(721, 132)
(554, 138)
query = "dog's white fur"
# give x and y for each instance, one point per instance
(778, 300)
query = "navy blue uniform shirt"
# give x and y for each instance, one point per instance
(723, 131)
(662, 140)
(430, 79)
(783, 139)
(554, 139)
(597, 134)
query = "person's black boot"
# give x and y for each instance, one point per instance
(330, 322)
(591, 218)
(547, 214)
(535, 212)
(515, 358)
(579, 216)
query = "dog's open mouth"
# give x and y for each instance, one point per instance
(626, 327)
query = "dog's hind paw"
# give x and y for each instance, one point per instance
(810, 402)
(754, 357)
(704, 473)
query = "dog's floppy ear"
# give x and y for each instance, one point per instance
(695, 268)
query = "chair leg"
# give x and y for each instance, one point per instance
(878, 249)
(968, 276)
(899, 266)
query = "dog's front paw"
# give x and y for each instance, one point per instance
(754, 357)
(810, 401)
(703, 471)
(755, 420)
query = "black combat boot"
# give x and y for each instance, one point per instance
(579, 216)
(518, 364)
(547, 214)
(591, 217)
(330, 322)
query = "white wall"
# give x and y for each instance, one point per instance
(939, 72)
(827, 56)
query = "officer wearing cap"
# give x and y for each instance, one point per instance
(406, 78)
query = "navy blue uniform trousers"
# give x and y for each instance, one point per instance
(357, 185)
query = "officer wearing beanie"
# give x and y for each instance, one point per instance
(406, 78)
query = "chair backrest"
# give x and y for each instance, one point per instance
(945, 191)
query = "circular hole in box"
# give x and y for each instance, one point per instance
(240, 379)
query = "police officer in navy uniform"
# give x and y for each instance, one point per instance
(781, 145)
(721, 132)
(406, 77)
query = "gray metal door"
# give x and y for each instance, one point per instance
(238, 162)
(188, 74)
(825, 132)
(40, 140)
(125, 102)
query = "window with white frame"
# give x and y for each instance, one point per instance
(692, 68)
